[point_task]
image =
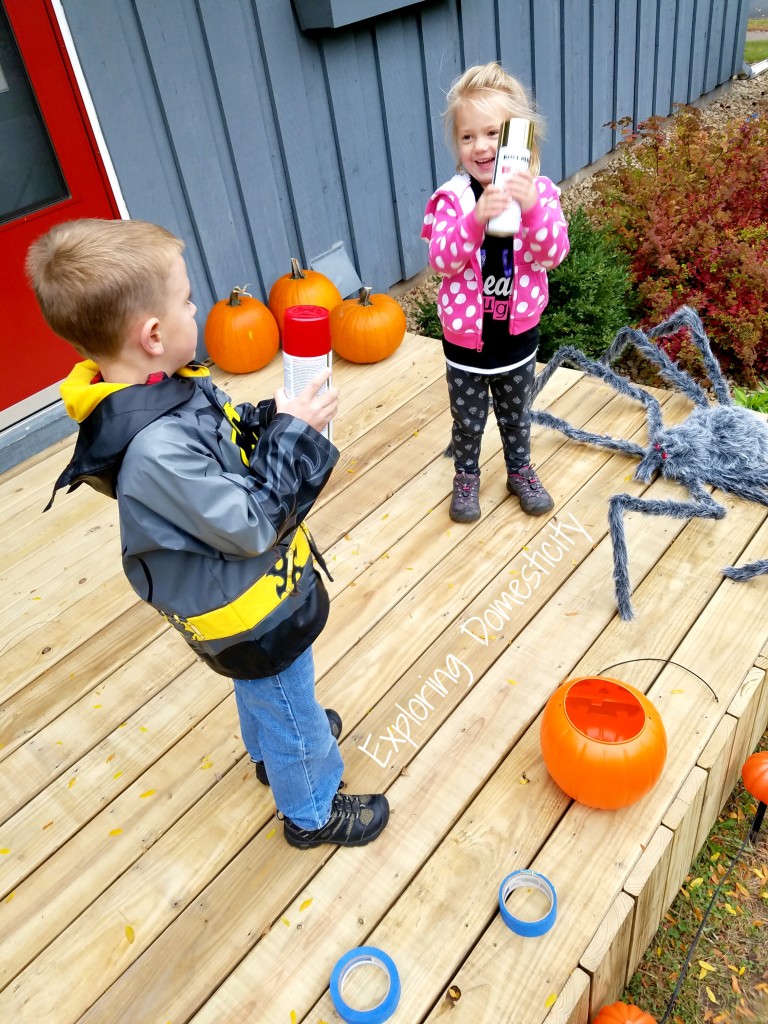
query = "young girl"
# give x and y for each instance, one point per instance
(493, 290)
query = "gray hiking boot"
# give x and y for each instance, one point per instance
(334, 720)
(465, 504)
(534, 499)
(354, 821)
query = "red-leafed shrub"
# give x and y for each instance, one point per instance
(689, 205)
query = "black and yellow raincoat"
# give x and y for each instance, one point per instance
(212, 500)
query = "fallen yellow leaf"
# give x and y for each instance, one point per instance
(305, 904)
(129, 933)
(711, 996)
(551, 999)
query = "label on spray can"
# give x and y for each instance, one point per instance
(306, 349)
(513, 154)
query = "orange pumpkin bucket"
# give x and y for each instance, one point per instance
(603, 742)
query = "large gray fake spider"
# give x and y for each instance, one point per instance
(720, 445)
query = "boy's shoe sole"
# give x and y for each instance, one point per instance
(354, 821)
(334, 720)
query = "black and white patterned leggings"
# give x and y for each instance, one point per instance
(511, 395)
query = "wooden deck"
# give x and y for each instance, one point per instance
(143, 875)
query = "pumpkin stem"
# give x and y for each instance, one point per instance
(296, 271)
(364, 296)
(234, 295)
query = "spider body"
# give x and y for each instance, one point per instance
(719, 445)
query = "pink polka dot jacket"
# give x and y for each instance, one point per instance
(455, 236)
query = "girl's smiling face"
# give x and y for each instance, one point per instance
(477, 136)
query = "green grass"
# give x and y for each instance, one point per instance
(757, 25)
(756, 51)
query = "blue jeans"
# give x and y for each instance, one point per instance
(283, 725)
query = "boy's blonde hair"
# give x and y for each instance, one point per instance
(92, 276)
(485, 85)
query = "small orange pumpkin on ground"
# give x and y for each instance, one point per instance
(754, 772)
(623, 1013)
(367, 329)
(241, 334)
(301, 288)
(603, 742)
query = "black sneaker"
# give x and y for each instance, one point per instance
(354, 821)
(534, 499)
(334, 720)
(465, 503)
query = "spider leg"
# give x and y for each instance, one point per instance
(575, 357)
(704, 507)
(740, 573)
(687, 317)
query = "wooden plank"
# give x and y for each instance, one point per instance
(760, 723)
(577, 112)
(699, 48)
(572, 1006)
(683, 51)
(603, 845)
(57, 746)
(516, 42)
(290, 968)
(113, 53)
(478, 43)
(441, 65)
(39, 645)
(647, 885)
(603, 85)
(665, 57)
(714, 759)
(606, 957)
(241, 82)
(299, 97)
(712, 76)
(744, 708)
(60, 889)
(359, 131)
(626, 43)
(683, 820)
(646, 57)
(408, 162)
(48, 694)
(106, 770)
(547, 84)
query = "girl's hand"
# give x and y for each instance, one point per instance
(521, 187)
(491, 203)
(315, 407)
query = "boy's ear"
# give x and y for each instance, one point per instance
(149, 336)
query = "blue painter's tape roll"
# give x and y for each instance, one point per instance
(528, 880)
(351, 961)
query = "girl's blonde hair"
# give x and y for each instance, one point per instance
(485, 86)
(92, 276)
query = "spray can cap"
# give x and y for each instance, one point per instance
(306, 331)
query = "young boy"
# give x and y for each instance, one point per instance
(211, 499)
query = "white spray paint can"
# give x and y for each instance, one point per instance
(513, 154)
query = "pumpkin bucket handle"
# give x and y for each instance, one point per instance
(664, 661)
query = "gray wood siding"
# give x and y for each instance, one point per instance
(255, 141)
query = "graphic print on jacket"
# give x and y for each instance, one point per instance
(212, 499)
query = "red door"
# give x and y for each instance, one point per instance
(50, 171)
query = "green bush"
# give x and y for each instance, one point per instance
(689, 205)
(590, 293)
(427, 321)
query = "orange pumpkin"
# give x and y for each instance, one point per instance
(603, 742)
(754, 772)
(367, 329)
(241, 334)
(301, 288)
(623, 1013)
